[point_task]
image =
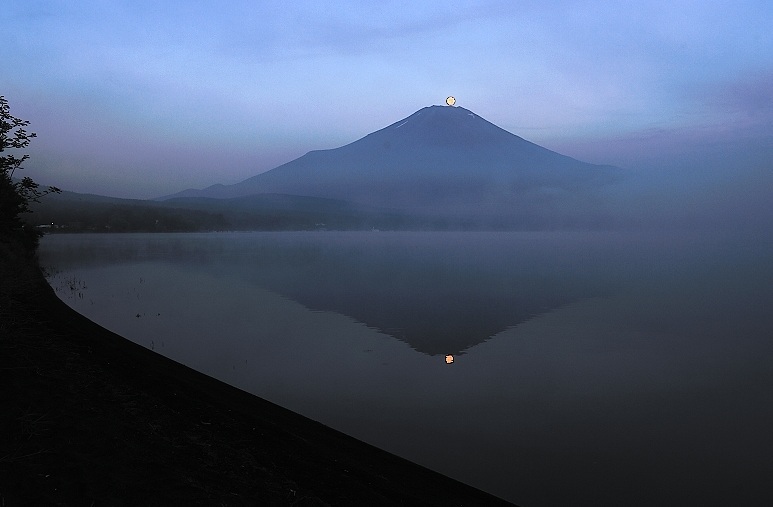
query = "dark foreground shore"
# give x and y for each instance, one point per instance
(89, 418)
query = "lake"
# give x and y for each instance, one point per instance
(549, 368)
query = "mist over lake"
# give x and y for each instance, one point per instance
(603, 368)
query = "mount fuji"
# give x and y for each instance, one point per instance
(441, 161)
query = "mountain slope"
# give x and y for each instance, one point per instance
(437, 159)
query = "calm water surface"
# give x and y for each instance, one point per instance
(588, 368)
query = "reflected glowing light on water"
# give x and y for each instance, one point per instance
(449, 358)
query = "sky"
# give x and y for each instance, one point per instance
(141, 98)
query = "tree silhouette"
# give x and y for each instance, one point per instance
(15, 196)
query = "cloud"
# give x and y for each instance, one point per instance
(750, 96)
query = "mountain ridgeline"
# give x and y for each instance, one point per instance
(441, 166)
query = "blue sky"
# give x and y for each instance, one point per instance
(142, 98)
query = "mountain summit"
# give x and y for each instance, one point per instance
(439, 159)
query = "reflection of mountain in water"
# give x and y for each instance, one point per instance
(436, 304)
(436, 312)
(441, 293)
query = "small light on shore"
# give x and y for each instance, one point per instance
(449, 358)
